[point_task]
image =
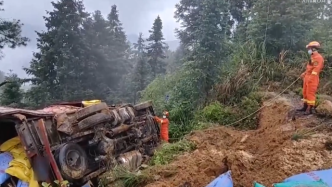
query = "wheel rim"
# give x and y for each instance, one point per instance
(74, 160)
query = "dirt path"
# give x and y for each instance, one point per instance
(267, 155)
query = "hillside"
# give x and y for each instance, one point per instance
(266, 155)
(284, 144)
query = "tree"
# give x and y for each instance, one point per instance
(60, 67)
(2, 76)
(206, 34)
(175, 60)
(11, 33)
(98, 39)
(119, 53)
(156, 48)
(141, 68)
(282, 25)
(12, 94)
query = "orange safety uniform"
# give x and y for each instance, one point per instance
(311, 78)
(164, 123)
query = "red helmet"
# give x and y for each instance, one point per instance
(166, 113)
(313, 44)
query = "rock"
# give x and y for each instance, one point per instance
(244, 138)
(144, 166)
(325, 108)
(156, 177)
(325, 97)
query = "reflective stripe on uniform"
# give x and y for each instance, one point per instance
(314, 73)
(311, 102)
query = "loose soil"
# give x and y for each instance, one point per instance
(266, 155)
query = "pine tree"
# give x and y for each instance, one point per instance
(206, 32)
(175, 59)
(156, 48)
(12, 94)
(60, 67)
(140, 46)
(11, 33)
(141, 68)
(119, 52)
(2, 76)
(97, 39)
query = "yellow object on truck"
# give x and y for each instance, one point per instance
(10, 144)
(20, 166)
(91, 102)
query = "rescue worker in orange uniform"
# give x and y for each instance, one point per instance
(164, 123)
(311, 77)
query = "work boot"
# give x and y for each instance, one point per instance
(304, 108)
(309, 110)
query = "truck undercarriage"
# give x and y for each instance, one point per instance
(66, 142)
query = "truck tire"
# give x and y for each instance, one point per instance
(90, 110)
(94, 120)
(73, 161)
(144, 105)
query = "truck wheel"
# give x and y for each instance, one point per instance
(88, 111)
(144, 105)
(73, 161)
(94, 120)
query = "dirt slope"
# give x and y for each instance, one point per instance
(267, 155)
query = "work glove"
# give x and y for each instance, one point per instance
(302, 75)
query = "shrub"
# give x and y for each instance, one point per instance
(226, 115)
(215, 113)
(249, 106)
(169, 151)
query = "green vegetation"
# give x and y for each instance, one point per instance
(168, 152)
(122, 177)
(214, 77)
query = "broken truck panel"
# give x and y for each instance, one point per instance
(5, 111)
(79, 143)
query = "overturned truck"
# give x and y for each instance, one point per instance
(75, 143)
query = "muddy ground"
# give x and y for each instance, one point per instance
(266, 155)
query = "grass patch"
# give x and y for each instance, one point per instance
(122, 177)
(168, 152)
(222, 114)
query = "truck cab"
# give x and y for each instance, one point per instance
(76, 143)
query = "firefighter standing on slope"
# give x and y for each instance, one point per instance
(311, 77)
(164, 123)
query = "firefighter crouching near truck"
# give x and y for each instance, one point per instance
(164, 123)
(311, 77)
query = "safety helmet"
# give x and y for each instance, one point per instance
(165, 113)
(314, 44)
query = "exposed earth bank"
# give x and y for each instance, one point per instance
(266, 155)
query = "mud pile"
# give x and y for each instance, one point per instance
(267, 155)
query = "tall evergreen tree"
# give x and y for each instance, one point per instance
(12, 93)
(11, 33)
(156, 48)
(60, 67)
(141, 69)
(119, 52)
(97, 40)
(206, 32)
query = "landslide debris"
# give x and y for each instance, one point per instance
(266, 155)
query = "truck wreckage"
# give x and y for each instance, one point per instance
(75, 143)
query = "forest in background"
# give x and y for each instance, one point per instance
(229, 50)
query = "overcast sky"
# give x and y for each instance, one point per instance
(136, 16)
